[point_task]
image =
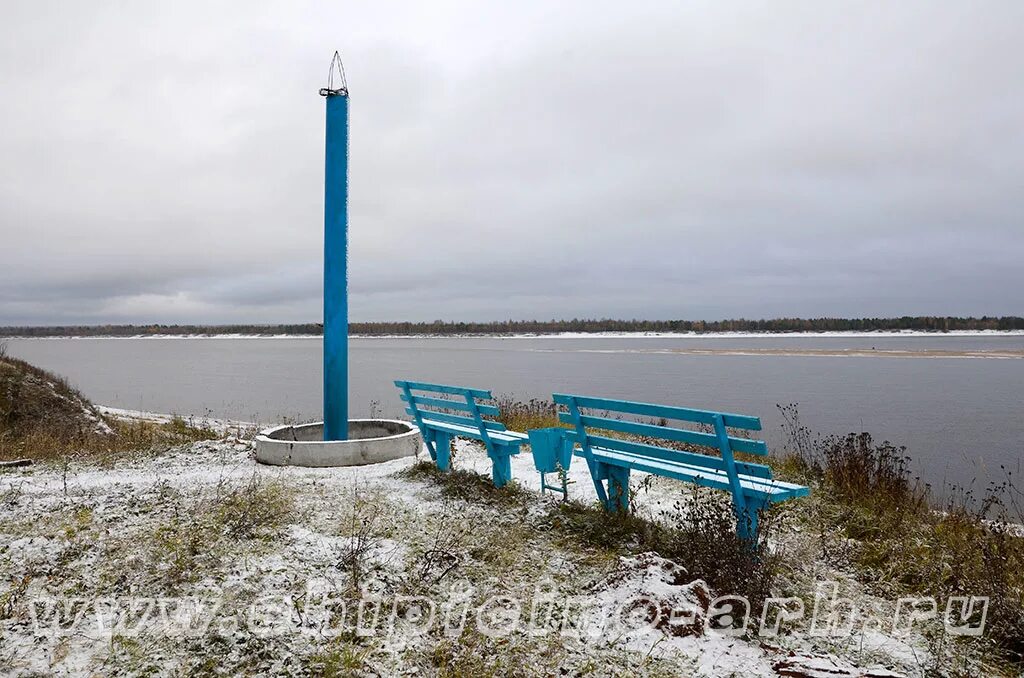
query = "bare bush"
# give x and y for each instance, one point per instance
(902, 540)
(523, 416)
(698, 532)
(445, 551)
(185, 547)
(251, 511)
(366, 529)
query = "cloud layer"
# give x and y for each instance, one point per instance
(163, 162)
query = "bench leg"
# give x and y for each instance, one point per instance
(501, 466)
(597, 473)
(618, 489)
(443, 445)
(746, 521)
(746, 526)
(428, 440)
(563, 484)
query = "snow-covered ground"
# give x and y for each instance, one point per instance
(176, 532)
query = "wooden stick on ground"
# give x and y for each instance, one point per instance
(15, 462)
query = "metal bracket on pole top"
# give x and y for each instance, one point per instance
(337, 68)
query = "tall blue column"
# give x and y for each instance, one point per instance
(336, 266)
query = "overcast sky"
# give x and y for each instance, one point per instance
(163, 161)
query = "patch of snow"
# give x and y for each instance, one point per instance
(221, 426)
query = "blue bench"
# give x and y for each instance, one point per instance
(444, 412)
(610, 459)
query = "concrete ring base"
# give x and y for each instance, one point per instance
(371, 441)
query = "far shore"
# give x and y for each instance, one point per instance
(589, 335)
(850, 353)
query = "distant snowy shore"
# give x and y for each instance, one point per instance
(573, 335)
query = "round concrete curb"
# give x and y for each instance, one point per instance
(371, 441)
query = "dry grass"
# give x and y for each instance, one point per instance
(43, 418)
(366, 527)
(699, 532)
(31, 398)
(474, 654)
(903, 541)
(519, 416)
(191, 543)
(342, 658)
(41, 444)
(469, 486)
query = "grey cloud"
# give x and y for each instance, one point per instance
(164, 162)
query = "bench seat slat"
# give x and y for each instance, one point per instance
(441, 388)
(463, 406)
(504, 437)
(770, 490)
(664, 411)
(667, 433)
(669, 455)
(456, 419)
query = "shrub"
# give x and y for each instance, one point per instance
(906, 542)
(698, 532)
(185, 547)
(444, 550)
(252, 511)
(519, 416)
(42, 417)
(467, 485)
(365, 528)
(971, 548)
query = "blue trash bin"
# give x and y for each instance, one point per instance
(550, 448)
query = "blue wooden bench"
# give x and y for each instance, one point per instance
(446, 412)
(610, 459)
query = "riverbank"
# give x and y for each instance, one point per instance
(195, 559)
(269, 558)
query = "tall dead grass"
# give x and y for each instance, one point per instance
(44, 418)
(905, 540)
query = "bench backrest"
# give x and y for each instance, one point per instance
(451, 404)
(588, 432)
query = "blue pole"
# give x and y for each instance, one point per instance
(336, 268)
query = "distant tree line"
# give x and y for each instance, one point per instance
(582, 325)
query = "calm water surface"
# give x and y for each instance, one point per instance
(960, 418)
